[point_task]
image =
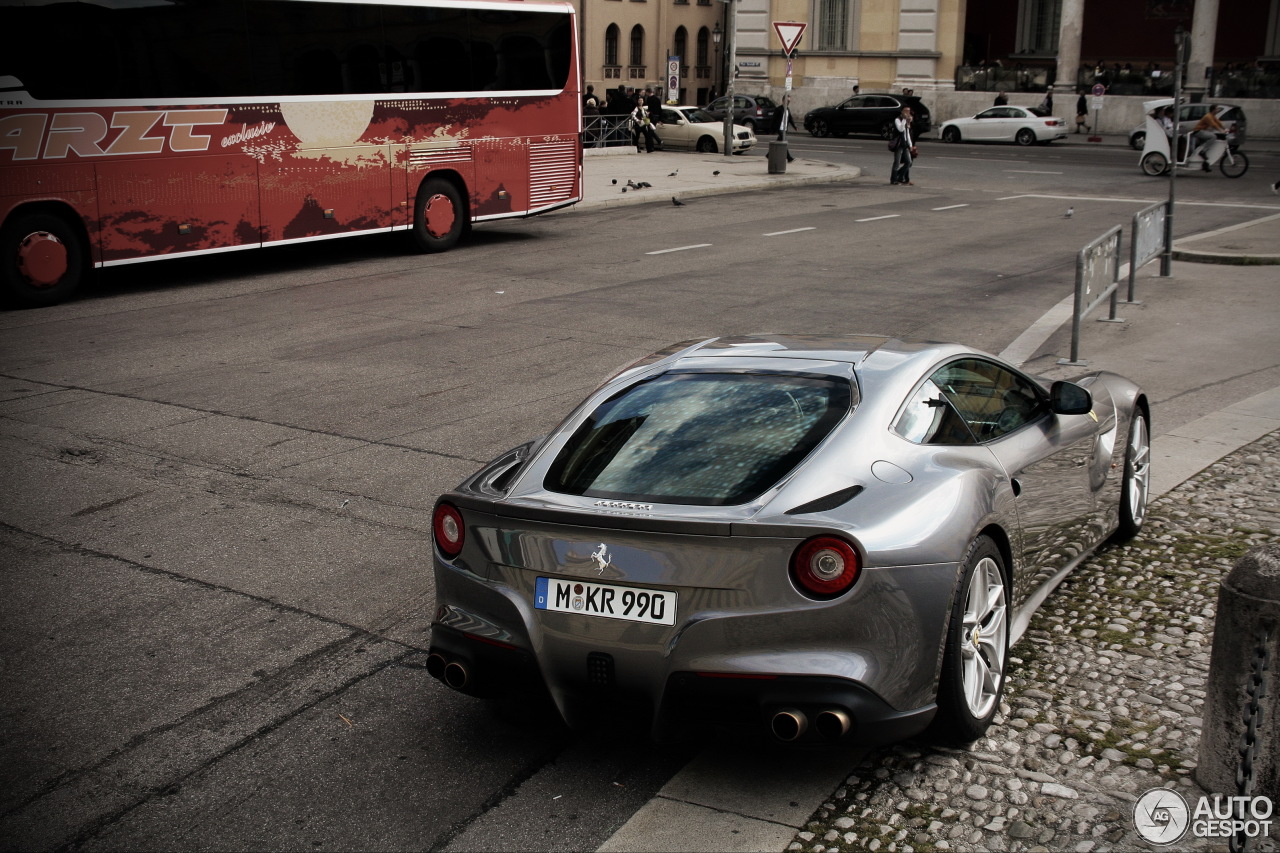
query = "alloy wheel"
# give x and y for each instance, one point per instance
(985, 639)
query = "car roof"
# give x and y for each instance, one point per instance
(874, 352)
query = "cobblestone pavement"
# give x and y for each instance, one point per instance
(1103, 698)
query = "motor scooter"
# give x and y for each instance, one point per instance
(1156, 156)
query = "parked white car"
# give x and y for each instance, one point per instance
(693, 128)
(1023, 125)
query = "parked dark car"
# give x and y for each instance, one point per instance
(752, 111)
(868, 114)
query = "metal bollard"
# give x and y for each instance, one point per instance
(1240, 739)
(777, 157)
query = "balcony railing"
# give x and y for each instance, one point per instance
(994, 78)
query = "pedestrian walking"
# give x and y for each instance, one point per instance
(1082, 113)
(1001, 99)
(904, 150)
(642, 127)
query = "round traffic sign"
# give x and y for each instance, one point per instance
(1099, 89)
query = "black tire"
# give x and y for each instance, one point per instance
(749, 124)
(43, 256)
(706, 145)
(1135, 486)
(1238, 166)
(439, 216)
(821, 128)
(887, 131)
(1154, 164)
(977, 649)
(1026, 136)
(1138, 140)
(951, 134)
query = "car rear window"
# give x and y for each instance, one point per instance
(710, 439)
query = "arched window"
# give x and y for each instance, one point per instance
(637, 45)
(611, 37)
(682, 47)
(704, 39)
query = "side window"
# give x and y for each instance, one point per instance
(992, 400)
(930, 418)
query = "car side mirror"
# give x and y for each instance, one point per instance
(1068, 398)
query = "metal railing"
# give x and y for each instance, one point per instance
(1147, 242)
(993, 78)
(1097, 268)
(606, 132)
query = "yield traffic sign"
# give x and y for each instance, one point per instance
(789, 33)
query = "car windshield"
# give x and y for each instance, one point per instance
(711, 439)
(698, 115)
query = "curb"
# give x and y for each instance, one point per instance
(1221, 257)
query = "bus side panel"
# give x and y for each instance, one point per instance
(502, 177)
(159, 206)
(316, 192)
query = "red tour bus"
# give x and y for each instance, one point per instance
(132, 130)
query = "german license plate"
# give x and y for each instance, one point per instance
(654, 606)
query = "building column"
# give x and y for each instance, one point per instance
(1204, 31)
(1070, 34)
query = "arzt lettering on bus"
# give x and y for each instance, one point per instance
(85, 133)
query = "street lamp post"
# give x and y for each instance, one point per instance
(1180, 40)
(731, 49)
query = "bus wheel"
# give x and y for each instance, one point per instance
(439, 217)
(43, 258)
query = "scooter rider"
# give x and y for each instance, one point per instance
(1205, 131)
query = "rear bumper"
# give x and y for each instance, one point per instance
(716, 702)
(724, 703)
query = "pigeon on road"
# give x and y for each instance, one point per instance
(677, 202)
(1071, 211)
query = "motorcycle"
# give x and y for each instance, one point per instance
(1156, 156)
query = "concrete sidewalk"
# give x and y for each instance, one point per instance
(609, 173)
(1202, 342)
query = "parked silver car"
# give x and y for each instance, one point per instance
(829, 538)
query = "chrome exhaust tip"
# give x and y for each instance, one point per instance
(436, 665)
(456, 675)
(789, 724)
(832, 723)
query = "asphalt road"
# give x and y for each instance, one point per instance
(215, 528)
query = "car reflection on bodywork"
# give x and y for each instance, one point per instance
(828, 538)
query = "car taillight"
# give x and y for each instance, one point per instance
(825, 566)
(448, 529)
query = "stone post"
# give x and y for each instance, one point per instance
(1204, 31)
(1070, 33)
(1248, 612)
